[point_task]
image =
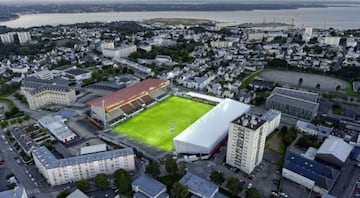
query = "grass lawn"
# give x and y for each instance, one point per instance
(249, 79)
(152, 126)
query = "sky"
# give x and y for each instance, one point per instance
(162, 1)
(169, 1)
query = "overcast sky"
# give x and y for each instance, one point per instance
(164, 1)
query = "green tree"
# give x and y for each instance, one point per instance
(4, 123)
(153, 169)
(300, 81)
(338, 88)
(101, 181)
(182, 168)
(122, 180)
(252, 193)
(171, 166)
(26, 117)
(83, 185)
(20, 120)
(179, 191)
(13, 121)
(63, 194)
(217, 177)
(234, 186)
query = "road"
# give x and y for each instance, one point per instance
(9, 155)
(27, 175)
(22, 107)
(344, 184)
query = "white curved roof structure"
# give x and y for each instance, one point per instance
(207, 132)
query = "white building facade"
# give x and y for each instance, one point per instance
(246, 142)
(50, 94)
(62, 171)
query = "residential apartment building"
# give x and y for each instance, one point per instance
(40, 92)
(7, 38)
(62, 171)
(246, 142)
(24, 37)
(120, 52)
(50, 94)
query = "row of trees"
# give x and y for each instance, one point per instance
(179, 53)
(233, 184)
(122, 181)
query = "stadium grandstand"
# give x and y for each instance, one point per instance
(206, 135)
(119, 105)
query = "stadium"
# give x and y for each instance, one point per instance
(187, 123)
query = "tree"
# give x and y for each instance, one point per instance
(300, 81)
(101, 181)
(26, 117)
(252, 193)
(153, 169)
(182, 169)
(179, 191)
(283, 130)
(171, 166)
(234, 186)
(63, 194)
(83, 185)
(122, 180)
(338, 88)
(318, 86)
(4, 123)
(217, 177)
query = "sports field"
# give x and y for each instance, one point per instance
(152, 126)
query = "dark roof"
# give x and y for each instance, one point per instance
(323, 176)
(148, 185)
(49, 161)
(77, 71)
(249, 121)
(304, 95)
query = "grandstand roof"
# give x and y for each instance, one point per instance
(203, 135)
(120, 97)
(205, 97)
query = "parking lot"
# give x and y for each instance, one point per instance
(265, 177)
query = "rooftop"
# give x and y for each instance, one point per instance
(199, 185)
(305, 95)
(17, 192)
(323, 176)
(77, 194)
(336, 147)
(56, 126)
(148, 185)
(77, 71)
(270, 115)
(49, 161)
(203, 135)
(122, 96)
(249, 121)
(297, 102)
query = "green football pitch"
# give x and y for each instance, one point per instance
(152, 126)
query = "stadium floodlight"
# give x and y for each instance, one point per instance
(171, 76)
